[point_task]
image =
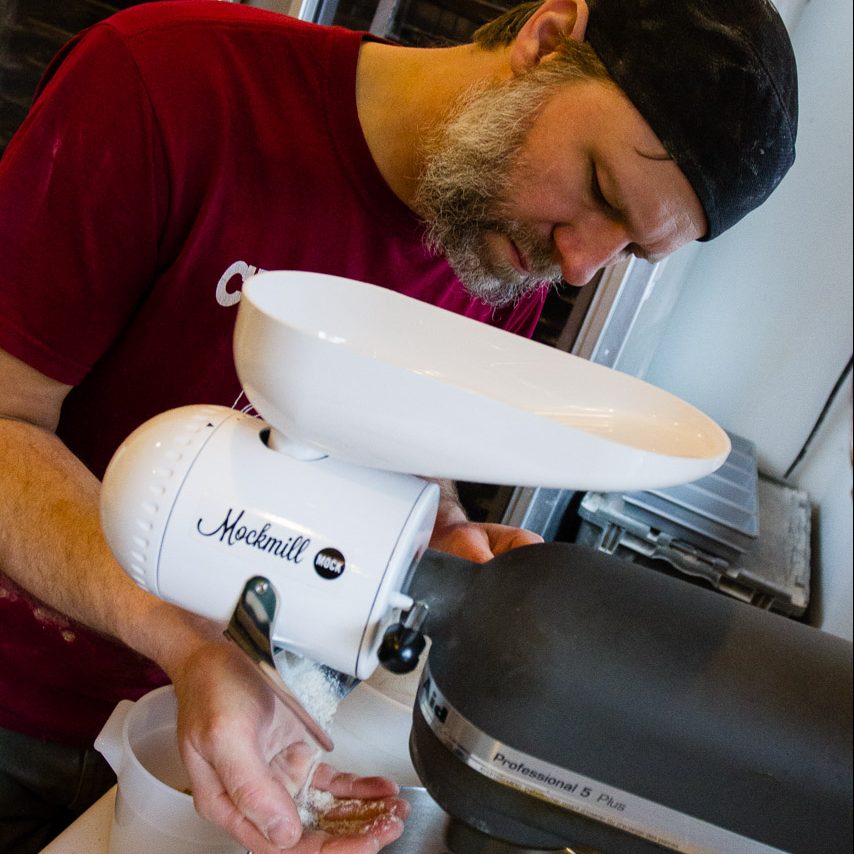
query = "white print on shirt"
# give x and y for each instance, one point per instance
(227, 298)
(224, 296)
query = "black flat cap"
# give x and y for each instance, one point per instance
(716, 80)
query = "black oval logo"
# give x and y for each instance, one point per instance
(329, 563)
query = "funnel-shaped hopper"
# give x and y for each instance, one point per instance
(378, 379)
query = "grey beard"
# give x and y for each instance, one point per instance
(462, 190)
(495, 283)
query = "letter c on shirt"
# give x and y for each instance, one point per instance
(226, 297)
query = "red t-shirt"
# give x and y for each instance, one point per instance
(173, 150)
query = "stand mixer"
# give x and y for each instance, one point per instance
(563, 690)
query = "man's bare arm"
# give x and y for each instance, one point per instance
(50, 537)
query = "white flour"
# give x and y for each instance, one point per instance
(320, 695)
(312, 803)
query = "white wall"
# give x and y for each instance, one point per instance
(763, 322)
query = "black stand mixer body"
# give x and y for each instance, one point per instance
(660, 698)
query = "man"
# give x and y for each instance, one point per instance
(179, 147)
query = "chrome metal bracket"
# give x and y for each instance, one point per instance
(250, 628)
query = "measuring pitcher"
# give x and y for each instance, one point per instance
(154, 810)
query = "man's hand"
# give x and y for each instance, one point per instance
(480, 541)
(360, 819)
(474, 541)
(248, 756)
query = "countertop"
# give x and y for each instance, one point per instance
(90, 834)
(424, 834)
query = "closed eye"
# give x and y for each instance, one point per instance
(596, 189)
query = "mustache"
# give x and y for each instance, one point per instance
(496, 283)
(538, 251)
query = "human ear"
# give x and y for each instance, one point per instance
(544, 31)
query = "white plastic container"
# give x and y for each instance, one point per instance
(153, 812)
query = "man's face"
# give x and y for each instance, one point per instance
(528, 184)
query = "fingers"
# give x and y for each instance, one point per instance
(247, 756)
(350, 786)
(466, 540)
(245, 799)
(361, 836)
(356, 827)
(480, 542)
(230, 731)
(504, 538)
(295, 764)
(364, 816)
(354, 815)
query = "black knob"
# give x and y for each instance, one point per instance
(404, 642)
(401, 648)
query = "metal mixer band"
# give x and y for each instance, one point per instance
(511, 767)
